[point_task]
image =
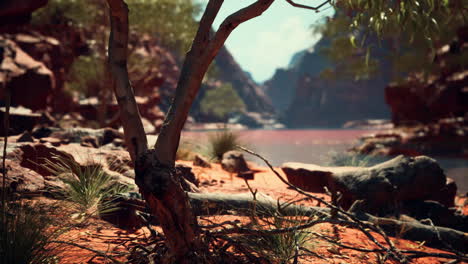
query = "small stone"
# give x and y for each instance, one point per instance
(201, 162)
(25, 137)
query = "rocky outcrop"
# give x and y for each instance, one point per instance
(30, 82)
(444, 138)
(252, 94)
(305, 99)
(18, 11)
(443, 95)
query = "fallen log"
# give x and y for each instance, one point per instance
(208, 204)
(382, 186)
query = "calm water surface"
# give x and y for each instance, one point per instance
(279, 146)
(312, 146)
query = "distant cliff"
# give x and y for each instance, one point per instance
(303, 99)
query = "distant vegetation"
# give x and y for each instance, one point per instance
(221, 101)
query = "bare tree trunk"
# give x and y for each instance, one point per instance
(155, 174)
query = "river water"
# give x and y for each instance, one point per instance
(311, 146)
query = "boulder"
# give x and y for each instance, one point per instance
(20, 120)
(201, 161)
(18, 11)
(381, 186)
(25, 137)
(234, 162)
(24, 76)
(23, 180)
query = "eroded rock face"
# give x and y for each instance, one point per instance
(18, 11)
(22, 179)
(442, 138)
(304, 99)
(381, 186)
(24, 76)
(441, 96)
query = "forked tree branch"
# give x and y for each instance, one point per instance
(316, 8)
(206, 23)
(234, 20)
(135, 136)
(195, 66)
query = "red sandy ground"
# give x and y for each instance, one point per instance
(102, 236)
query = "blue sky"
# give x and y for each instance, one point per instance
(268, 42)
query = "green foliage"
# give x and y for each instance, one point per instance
(25, 235)
(221, 101)
(89, 187)
(222, 142)
(86, 74)
(74, 12)
(171, 20)
(409, 31)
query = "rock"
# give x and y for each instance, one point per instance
(253, 96)
(25, 137)
(21, 119)
(110, 135)
(24, 76)
(234, 162)
(303, 98)
(446, 196)
(18, 11)
(57, 47)
(43, 131)
(380, 186)
(425, 100)
(442, 138)
(32, 155)
(23, 180)
(89, 141)
(369, 124)
(186, 172)
(201, 162)
(88, 136)
(53, 141)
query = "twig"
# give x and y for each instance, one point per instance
(315, 8)
(97, 252)
(6, 124)
(359, 224)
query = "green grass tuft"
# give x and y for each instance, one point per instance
(89, 187)
(222, 142)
